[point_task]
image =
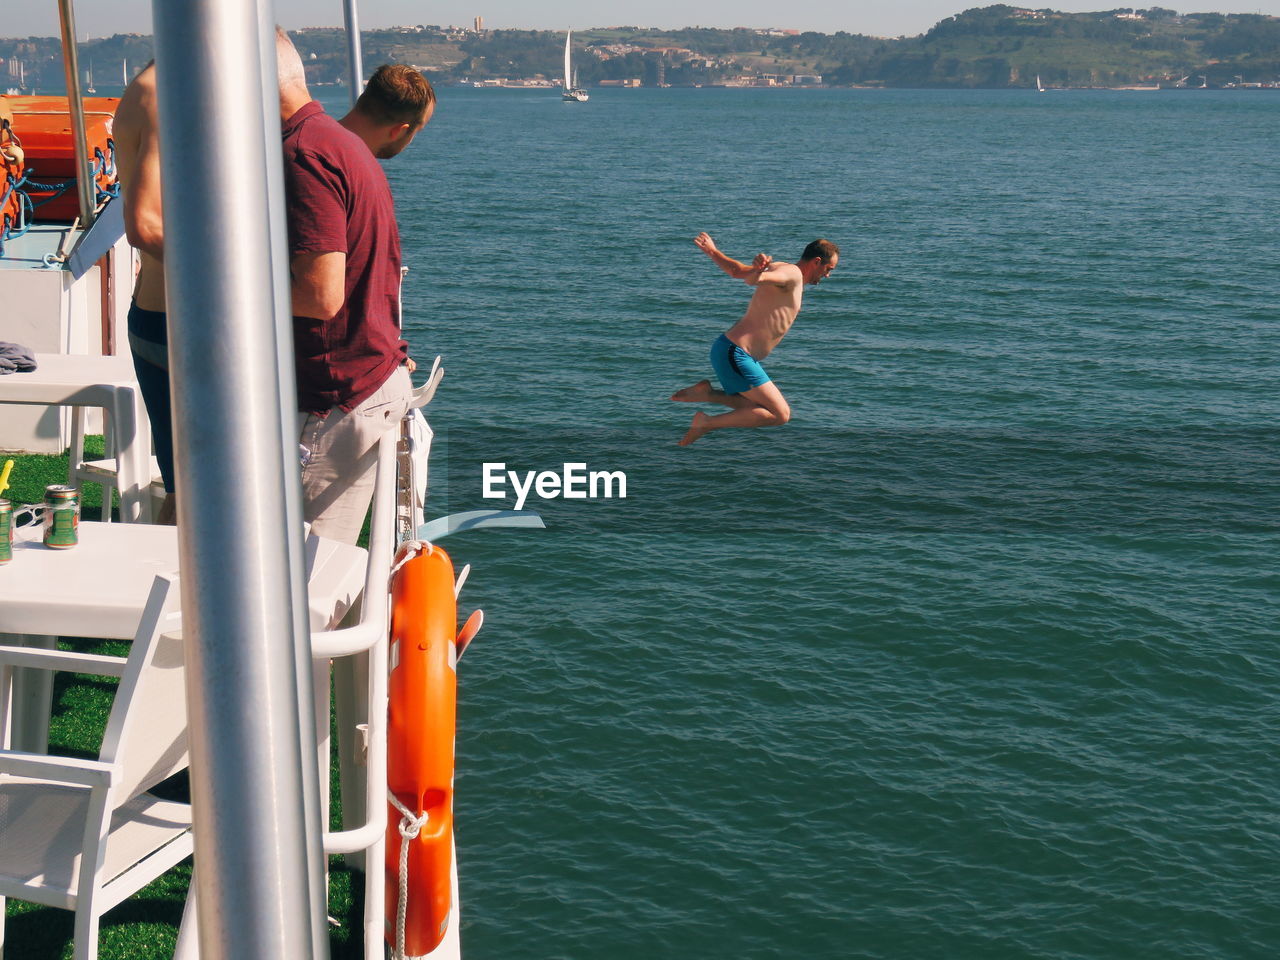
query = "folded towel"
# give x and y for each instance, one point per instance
(15, 358)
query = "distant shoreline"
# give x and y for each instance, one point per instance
(544, 85)
(988, 48)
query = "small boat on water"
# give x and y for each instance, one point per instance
(572, 92)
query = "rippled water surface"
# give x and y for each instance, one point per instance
(973, 659)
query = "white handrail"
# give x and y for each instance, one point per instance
(358, 839)
(370, 634)
(375, 601)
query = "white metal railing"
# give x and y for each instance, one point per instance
(346, 644)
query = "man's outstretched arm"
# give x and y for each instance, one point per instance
(734, 268)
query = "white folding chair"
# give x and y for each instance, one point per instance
(84, 834)
(104, 471)
(77, 381)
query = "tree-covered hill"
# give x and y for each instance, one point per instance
(994, 46)
(1006, 46)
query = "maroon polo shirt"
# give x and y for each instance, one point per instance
(338, 201)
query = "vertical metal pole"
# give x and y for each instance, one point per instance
(85, 187)
(313, 789)
(254, 827)
(355, 60)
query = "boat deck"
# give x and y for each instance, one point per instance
(30, 249)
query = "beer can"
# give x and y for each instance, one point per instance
(6, 531)
(61, 517)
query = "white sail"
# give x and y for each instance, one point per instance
(571, 92)
(568, 73)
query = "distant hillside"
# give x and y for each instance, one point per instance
(996, 46)
(107, 57)
(1003, 46)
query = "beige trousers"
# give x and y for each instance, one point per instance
(341, 457)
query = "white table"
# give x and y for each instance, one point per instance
(71, 380)
(99, 587)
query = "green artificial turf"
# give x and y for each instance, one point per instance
(145, 926)
(33, 472)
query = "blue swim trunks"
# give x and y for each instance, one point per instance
(736, 369)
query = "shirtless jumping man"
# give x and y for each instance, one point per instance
(736, 355)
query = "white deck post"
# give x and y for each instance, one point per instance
(86, 189)
(355, 58)
(254, 774)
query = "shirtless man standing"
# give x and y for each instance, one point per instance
(736, 355)
(138, 154)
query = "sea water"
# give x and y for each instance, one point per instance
(976, 657)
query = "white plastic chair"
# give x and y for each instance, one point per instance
(104, 471)
(84, 834)
(77, 381)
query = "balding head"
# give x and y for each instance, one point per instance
(290, 75)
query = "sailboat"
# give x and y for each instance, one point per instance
(22, 80)
(124, 71)
(572, 92)
(88, 80)
(1039, 85)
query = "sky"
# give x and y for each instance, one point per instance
(902, 17)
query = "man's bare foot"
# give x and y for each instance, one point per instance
(701, 424)
(700, 392)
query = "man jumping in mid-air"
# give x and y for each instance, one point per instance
(736, 355)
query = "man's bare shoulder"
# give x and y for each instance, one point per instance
(782, 274)
(137, 109)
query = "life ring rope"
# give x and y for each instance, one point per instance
(408, 550)
(410, 826)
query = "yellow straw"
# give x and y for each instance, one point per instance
(4, 476)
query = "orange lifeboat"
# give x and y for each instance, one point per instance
(422, 693)
(42, 126)
(11, 162)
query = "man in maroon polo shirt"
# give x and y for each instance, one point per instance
(352, 364)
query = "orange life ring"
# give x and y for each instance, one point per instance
(423, 694)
